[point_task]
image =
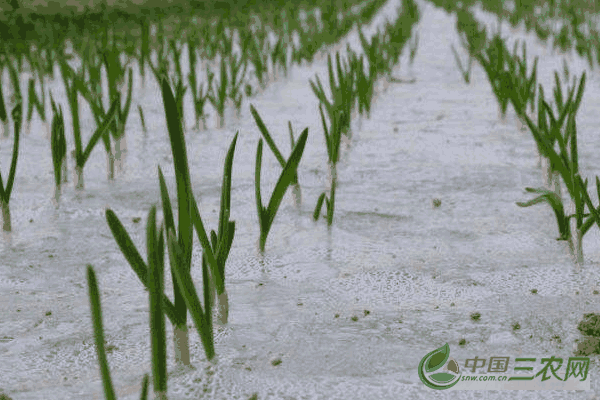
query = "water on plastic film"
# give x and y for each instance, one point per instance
(410, 274)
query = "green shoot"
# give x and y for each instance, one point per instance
(222, 239)
(292, 140)
(473, 36)
(59, 150)
(202, 316)
(5, 192)
(257, 58)
(237, 73)
(333, 136)
(155, 246)
(145, 382)
(266, 215)
(3, 114)
(15, 83)
(72, 85)
(493, 61)
(184, 200)
(565, 161)
(142, 120)
(265, 133)
(317, 212)
(199, 94)
(342, 91)
(94, 294)
(465, 71)
(278, 57)
(176, 54)
(139, 267)
(332, 140)
(329, 204)
(82, 157)
(216, 253)
(144, 48)
(179, 95)
(218, 94)
(522, 86)
(414, 44)
(35, 102)
(122, 114)
(594, 211)
(556, 203)
(365, 85)
(93, 95)
(181, 259)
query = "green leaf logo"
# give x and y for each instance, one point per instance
(442, 377)
(431, 372)
(438, 358)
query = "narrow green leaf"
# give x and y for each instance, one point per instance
(101, 130)
(186, 286)
(595, 212)
(208, 306)
(58, 144)
(328, 140)
(292, 140)
(257, 170)
(204, 241)
(127, 247)
(572, 128)
(317, 212)
(265, 132)
(157, 319)
(3, 114)
(166, 202)
(30, 98)
(16, 114)
(182, 174)
(285, 178)
(142, 120)
(226, 188)
(555, 202)
(579, 96)
(437, 358)
(99, 333)
(225, 246)
(144, 392)
(135, 260)
(125, 111)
